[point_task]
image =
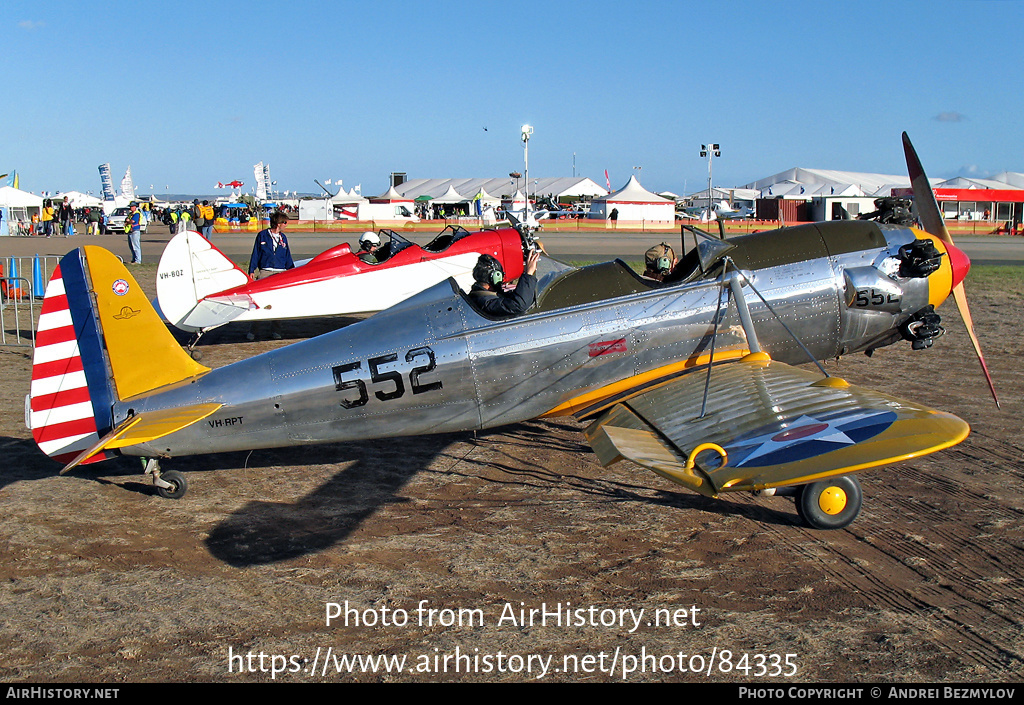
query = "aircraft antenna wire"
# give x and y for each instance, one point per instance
(714, 337)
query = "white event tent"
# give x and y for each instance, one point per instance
(18, 207)
(634, 203)
(77, 199)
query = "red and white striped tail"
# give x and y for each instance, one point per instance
(62, 416)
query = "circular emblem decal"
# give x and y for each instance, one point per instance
(120, 287)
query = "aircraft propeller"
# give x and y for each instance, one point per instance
(526, 233)
(933, 224)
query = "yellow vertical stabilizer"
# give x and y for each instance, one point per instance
(143, 354)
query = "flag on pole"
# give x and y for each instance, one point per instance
(106, 182)
(261, 189)
(607, 182)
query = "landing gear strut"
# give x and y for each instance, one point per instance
(170, 484)
(191, 347)
(829, 504)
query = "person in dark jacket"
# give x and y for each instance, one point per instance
(66, 214)
(270, 251)
(488, 296)
(270, 255)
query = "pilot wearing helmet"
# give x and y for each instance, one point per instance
(487, 294)
(660, 260)
(369, 243)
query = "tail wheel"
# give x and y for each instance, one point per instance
(830, 504)
(179, 485)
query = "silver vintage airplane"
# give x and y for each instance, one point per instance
(692, 377)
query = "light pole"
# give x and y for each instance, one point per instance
(709, 151)
(527, 131)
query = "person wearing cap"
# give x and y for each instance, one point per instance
(660, 260)
(270, 255)
(133, 223)
(488, 296)
(369, 243)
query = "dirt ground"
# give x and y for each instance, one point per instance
(103, 581)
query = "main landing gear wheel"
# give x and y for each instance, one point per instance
(830, 504)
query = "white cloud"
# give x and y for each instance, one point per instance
(973, 171)
(31, 24)
(951, 116)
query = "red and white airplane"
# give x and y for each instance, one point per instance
(231, 184)
(199, 288)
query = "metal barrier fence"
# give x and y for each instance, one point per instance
(22, 285)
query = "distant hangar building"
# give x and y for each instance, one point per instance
(801, 194)
(965, 198)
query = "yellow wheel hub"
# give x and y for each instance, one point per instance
(832, 500)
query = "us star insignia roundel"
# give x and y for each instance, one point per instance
(806, 437)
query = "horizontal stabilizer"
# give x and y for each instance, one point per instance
(145, 427)
(768, 425)
(216, 311)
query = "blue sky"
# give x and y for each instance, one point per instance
(192, 93)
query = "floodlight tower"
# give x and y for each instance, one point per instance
(527, 131)
(709, 151)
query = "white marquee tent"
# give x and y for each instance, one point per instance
(802, 183)
(77, 199)
(16, 198)
(559, 187)
(18, 207)
(634, 203)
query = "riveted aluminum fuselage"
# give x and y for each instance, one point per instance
(432, 364)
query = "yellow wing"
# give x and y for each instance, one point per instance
(768, 425)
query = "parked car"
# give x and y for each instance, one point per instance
(114, 223)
